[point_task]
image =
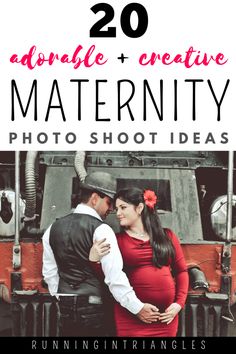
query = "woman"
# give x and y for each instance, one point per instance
(153, 261)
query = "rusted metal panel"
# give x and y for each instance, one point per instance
(30, 270)
(57, 194)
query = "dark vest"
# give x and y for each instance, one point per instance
(71, 238)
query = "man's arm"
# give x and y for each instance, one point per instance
(50, 270)
(117, 281)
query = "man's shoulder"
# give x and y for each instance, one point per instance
(105, 227)
(61, 218)
(84, 221)
(77, 216)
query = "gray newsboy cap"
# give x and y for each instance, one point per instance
(101, 182)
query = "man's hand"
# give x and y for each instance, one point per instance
(170, 313)
(149, 313)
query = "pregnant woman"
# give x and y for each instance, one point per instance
(153, 261)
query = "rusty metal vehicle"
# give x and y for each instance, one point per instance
(197, 199)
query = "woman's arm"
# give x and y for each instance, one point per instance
(180, 272)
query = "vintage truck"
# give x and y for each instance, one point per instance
(197, 199)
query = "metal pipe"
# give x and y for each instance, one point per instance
(197, 278)
(229, 196)
(16, 254)
(30, 185)
(79, 165)
(17, 198)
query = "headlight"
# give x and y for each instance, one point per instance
(218, 211)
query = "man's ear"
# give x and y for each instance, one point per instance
(94, 198)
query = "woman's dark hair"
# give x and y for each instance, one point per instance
(162, 247)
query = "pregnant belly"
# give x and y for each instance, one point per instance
(153, 285)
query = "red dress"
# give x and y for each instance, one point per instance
(151, 285)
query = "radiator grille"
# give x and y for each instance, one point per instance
(203, 318)
(39, 316)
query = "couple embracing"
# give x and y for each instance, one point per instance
(143, 266)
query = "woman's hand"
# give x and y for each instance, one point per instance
(170, 313)
(98, 250)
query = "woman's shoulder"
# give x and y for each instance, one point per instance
(120, 234)
(171, 234)
(121, 238)
(168, 232)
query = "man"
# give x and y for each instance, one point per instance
(68, 272)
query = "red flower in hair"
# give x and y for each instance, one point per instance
(150, 198)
